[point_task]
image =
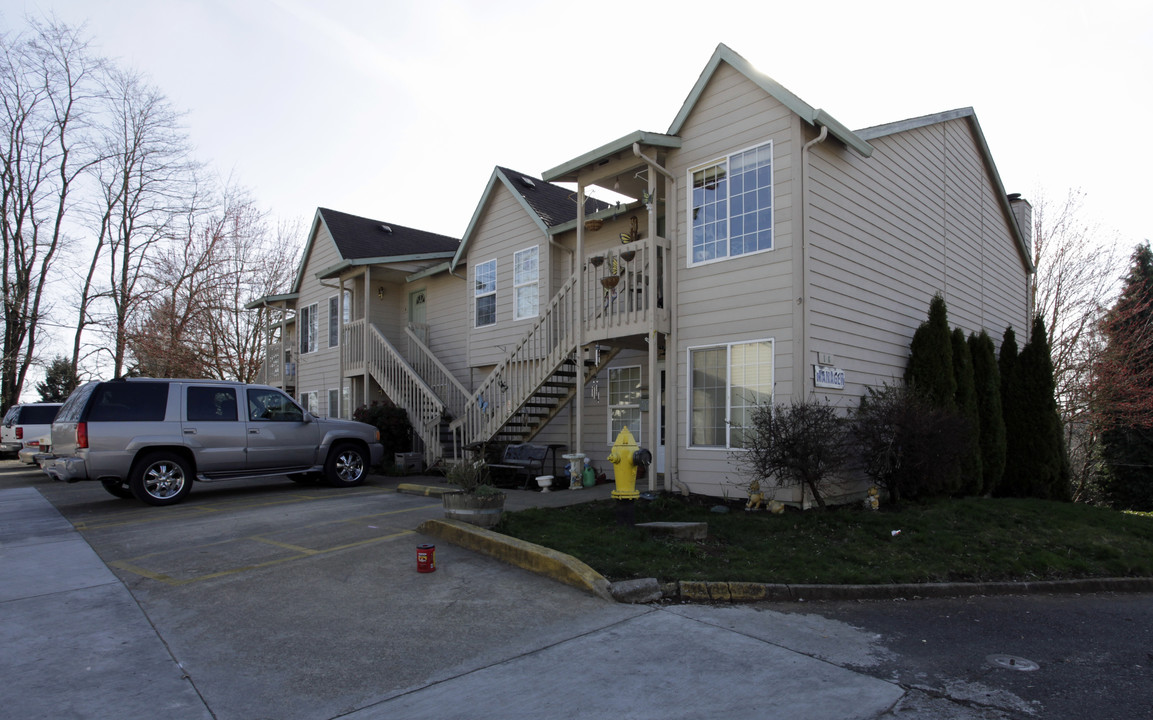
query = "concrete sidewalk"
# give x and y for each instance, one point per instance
(73, 641)
(76, 643)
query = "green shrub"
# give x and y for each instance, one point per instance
(392, 421)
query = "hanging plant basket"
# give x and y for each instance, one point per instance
(597, 260)
(628, 255)
(610, 281)
(594, 225)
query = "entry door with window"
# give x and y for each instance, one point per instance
(418, 314)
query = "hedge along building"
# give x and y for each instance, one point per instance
(770, 254)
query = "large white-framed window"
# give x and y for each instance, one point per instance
(526, 283)
(726, 383)
(308, 325)
(309, 401)
(625, 401)
(731, 206)
(484, 290)
(339, 313)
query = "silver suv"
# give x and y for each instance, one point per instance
(149, 438)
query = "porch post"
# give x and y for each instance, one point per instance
(654, 428)
(578, 264)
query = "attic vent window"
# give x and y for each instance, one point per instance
(386, 228)
(528, 182)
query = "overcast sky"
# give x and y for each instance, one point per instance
(398, 110)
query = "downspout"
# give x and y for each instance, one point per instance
(672, 455)
(804, 298)
(576, 431)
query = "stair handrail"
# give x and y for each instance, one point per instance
(405, 387)
(537, 357)
(436, 375)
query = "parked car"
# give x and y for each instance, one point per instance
(25, 424)
(29, 452)
(151, 438)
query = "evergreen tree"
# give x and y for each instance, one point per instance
(930, 371)
(1016, 416)
(59, 381)
(966, 401)
(1043, 465)
(1124, 393)
(987, 388)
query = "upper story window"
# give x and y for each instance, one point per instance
(484, 277)
(525, 282)
(334, 321)
(731, 206)
(308, 325)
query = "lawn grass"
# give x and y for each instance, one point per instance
(956, 540)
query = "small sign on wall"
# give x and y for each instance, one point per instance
(828, 377)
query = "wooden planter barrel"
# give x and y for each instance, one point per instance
(481, 510)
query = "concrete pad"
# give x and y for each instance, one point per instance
(659, 664)
(682, 530)
(74, 642)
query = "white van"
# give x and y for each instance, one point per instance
(25, 424)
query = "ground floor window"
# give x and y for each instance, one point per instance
(334, 403)
(726, 383)
(625, 401)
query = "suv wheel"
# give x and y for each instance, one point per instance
(161, 479)
(346, 466)
(118, 488)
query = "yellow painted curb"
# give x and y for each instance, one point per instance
(529, 556)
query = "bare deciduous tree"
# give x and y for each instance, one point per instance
(1078, 266)
(48, 88)
(146, 183)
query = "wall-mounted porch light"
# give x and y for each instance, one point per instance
(380, 292)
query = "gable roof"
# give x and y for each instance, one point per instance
(547, 205)
(808, 113)
(969, 116)
(363, 241)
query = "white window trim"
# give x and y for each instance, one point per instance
(689, 207)
(534, 283)
(333, 412)
(727, 447)
(334, 321)
(309, 342)
(308, 400)
(477, 296)
(636, 432)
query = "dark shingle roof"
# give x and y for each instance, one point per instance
(555, 205)
(357, 238)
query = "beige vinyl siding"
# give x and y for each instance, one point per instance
(318, 371)
(504, 228)
(737, 299)
(886, 233)
(449, 318)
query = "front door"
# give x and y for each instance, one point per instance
(418, 314)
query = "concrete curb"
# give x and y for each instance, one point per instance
(767, 592)
(426, 490)
(535, 558)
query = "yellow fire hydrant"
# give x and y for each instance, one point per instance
(624, 468)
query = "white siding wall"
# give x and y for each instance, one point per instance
(318, 372)
(888, 232)
(745, 298)
(504, 228)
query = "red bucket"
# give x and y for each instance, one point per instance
(425, 558)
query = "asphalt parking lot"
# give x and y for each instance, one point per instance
(267, 599)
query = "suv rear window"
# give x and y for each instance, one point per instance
(38, 414)
(128, 402)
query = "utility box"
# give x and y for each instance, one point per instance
(409, 462)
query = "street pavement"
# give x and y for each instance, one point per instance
(288, 606)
